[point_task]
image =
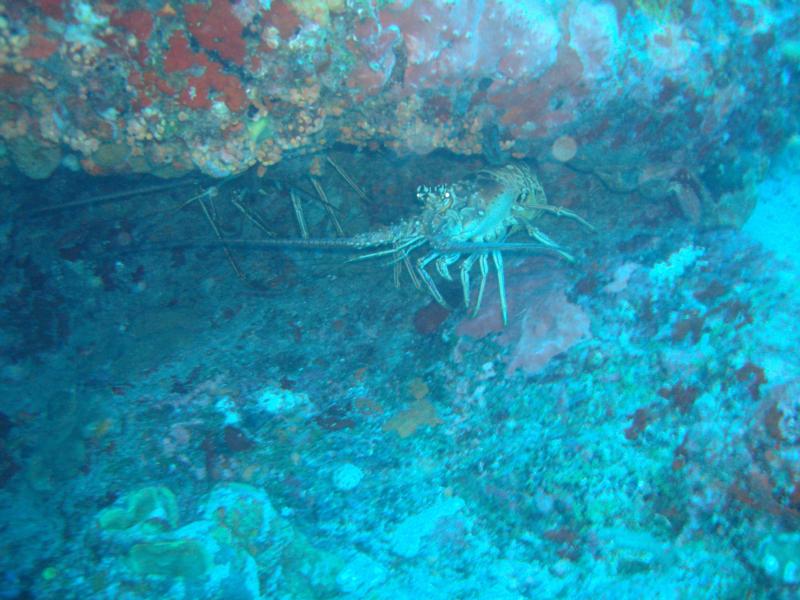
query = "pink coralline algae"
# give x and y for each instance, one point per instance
(549, 326)
(594, 37)
(543, 323)
(451, 41)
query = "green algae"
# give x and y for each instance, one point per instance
(154, 507)
(173, 558)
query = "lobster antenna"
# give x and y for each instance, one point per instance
(107, 198)
(270, 244)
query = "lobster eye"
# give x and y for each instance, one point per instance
(446, 200)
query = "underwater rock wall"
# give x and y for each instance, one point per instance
(649, 88)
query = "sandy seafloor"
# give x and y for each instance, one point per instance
(170, 433)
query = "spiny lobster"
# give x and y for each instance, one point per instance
(467, 221)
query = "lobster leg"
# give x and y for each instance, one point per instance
(484, 265)
(560, 211)
(401, 256)
(443, 263)
(501, 284)
(539, 235)
(466, 266)
(421, 264)
(404, 247)
(406, 261)
(410, 269)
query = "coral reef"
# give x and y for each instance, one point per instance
(317, 427)
(622, 84)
